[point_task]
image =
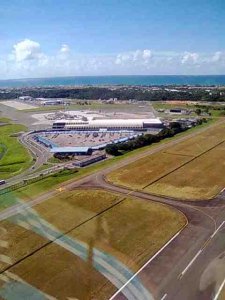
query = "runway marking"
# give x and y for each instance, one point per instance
(164, 297)
(206, 243)
(204, 213)
(149, 261)
(190, 263)
(200, 251)
(219, 290)
(215, 232)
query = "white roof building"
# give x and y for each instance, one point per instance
(25, 98)
(108, 123)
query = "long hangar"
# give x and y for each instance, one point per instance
(109, 124)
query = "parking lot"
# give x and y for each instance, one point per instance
(85, 139)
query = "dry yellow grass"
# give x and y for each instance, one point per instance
(129, 232)
(201, 178)
(146, 170)
(200, 143)
(65, 212)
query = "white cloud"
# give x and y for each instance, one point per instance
(28, 60)
(218, 56)
(27, 50)
(147, 54)
(122, 58)
(134, 57)
(190, 58)
(65, 49)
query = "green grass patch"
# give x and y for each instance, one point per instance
(45, 184)
(4, 120)
(92, 106)
(36, 188)
(55, 160)
(161, 105)
(15, 158)
(43, 167)
(217, 113)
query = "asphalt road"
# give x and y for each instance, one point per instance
(192, 265)
(40, 153)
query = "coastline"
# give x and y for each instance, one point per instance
(117, 80)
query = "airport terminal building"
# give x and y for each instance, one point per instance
(109, 124)
(82, 137)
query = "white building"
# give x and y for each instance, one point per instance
(25, 98)
(109, 124)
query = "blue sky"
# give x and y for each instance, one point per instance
(41, 38)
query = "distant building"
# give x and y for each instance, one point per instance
(179, 111)
(185, 123)
(25, 98)
(109, 124)
(64, 151)
(41, 99)
(90, 160)
(52, 102)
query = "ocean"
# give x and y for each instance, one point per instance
(144, 80)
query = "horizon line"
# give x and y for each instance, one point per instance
(130, 75)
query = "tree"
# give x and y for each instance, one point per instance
(112, 149)
(198, 111)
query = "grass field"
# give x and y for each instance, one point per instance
(92, 106)
(167, 105)
(200, 143)
(216, 112)
(162, 105)
(146, 170)
(192, 169)
(106, 236)
(34, 189)
(202, 178)
(14, 157)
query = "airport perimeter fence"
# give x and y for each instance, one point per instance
(26, 182)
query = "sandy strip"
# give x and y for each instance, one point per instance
(18, 105)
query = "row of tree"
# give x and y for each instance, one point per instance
(121, 93)
(147, 139)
